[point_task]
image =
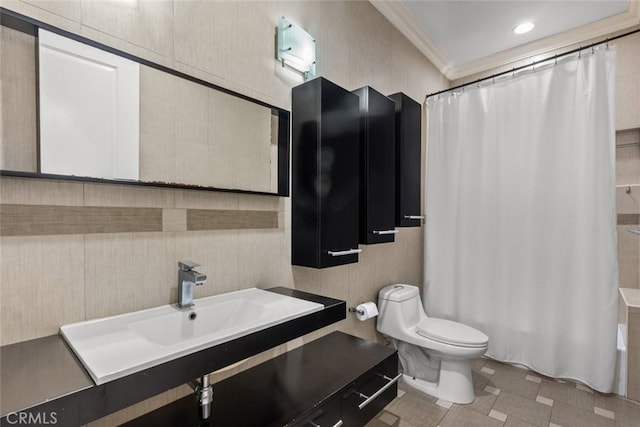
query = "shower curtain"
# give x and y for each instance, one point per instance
(521, 222)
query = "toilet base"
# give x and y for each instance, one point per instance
(455, 383)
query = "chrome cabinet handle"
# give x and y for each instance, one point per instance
(381, 232)
(370, 399)
(338, 424)
(414, 217)
(343, 253)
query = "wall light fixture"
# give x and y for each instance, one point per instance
(295, 48)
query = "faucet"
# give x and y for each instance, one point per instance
(187, 279)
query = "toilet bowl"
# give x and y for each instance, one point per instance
(434, 353)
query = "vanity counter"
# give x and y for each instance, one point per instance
(43, 376)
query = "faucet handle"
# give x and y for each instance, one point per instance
(187, 265)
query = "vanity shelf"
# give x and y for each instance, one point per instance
(335, 380)
(62, 386)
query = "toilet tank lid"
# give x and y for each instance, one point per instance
(398, 292)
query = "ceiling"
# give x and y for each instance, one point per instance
(464, 37)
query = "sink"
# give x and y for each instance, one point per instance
(113, 347)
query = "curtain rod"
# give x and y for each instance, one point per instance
(532, 64)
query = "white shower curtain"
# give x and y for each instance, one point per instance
(521, 219)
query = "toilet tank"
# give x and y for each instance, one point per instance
(400, 309)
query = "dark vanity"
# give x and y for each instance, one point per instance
(44, 376)
(335, 380)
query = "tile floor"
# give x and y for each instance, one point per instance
(511, 397)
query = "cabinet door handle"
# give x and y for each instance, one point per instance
(370, 399)
(381, 232)
(414, 217)
(343, 253)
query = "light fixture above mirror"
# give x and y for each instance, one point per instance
(295, 48)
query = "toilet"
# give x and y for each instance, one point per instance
(434, 353)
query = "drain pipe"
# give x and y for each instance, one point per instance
(204, 396)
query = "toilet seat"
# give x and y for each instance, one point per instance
(452, 333)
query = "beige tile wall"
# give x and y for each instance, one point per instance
(628, 202)
(50, 281)
(18, 86)
(628, 82)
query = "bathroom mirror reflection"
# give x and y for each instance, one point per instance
(191, 133)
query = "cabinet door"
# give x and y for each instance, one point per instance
(408, 145)
(325, 148)
(377, 167)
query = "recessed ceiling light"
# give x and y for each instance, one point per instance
(525, 27)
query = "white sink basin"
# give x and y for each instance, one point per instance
(117, 346)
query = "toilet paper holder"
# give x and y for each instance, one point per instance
(365, 311)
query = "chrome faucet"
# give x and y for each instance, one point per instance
(187, 279)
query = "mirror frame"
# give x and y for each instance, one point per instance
(30, 26)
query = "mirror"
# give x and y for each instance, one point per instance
(192, 134)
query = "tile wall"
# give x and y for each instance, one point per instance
(628, 194)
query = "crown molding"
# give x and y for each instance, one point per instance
(397, 14)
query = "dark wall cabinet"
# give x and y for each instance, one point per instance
(377, 166)
(325, 175)
(408, 161)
